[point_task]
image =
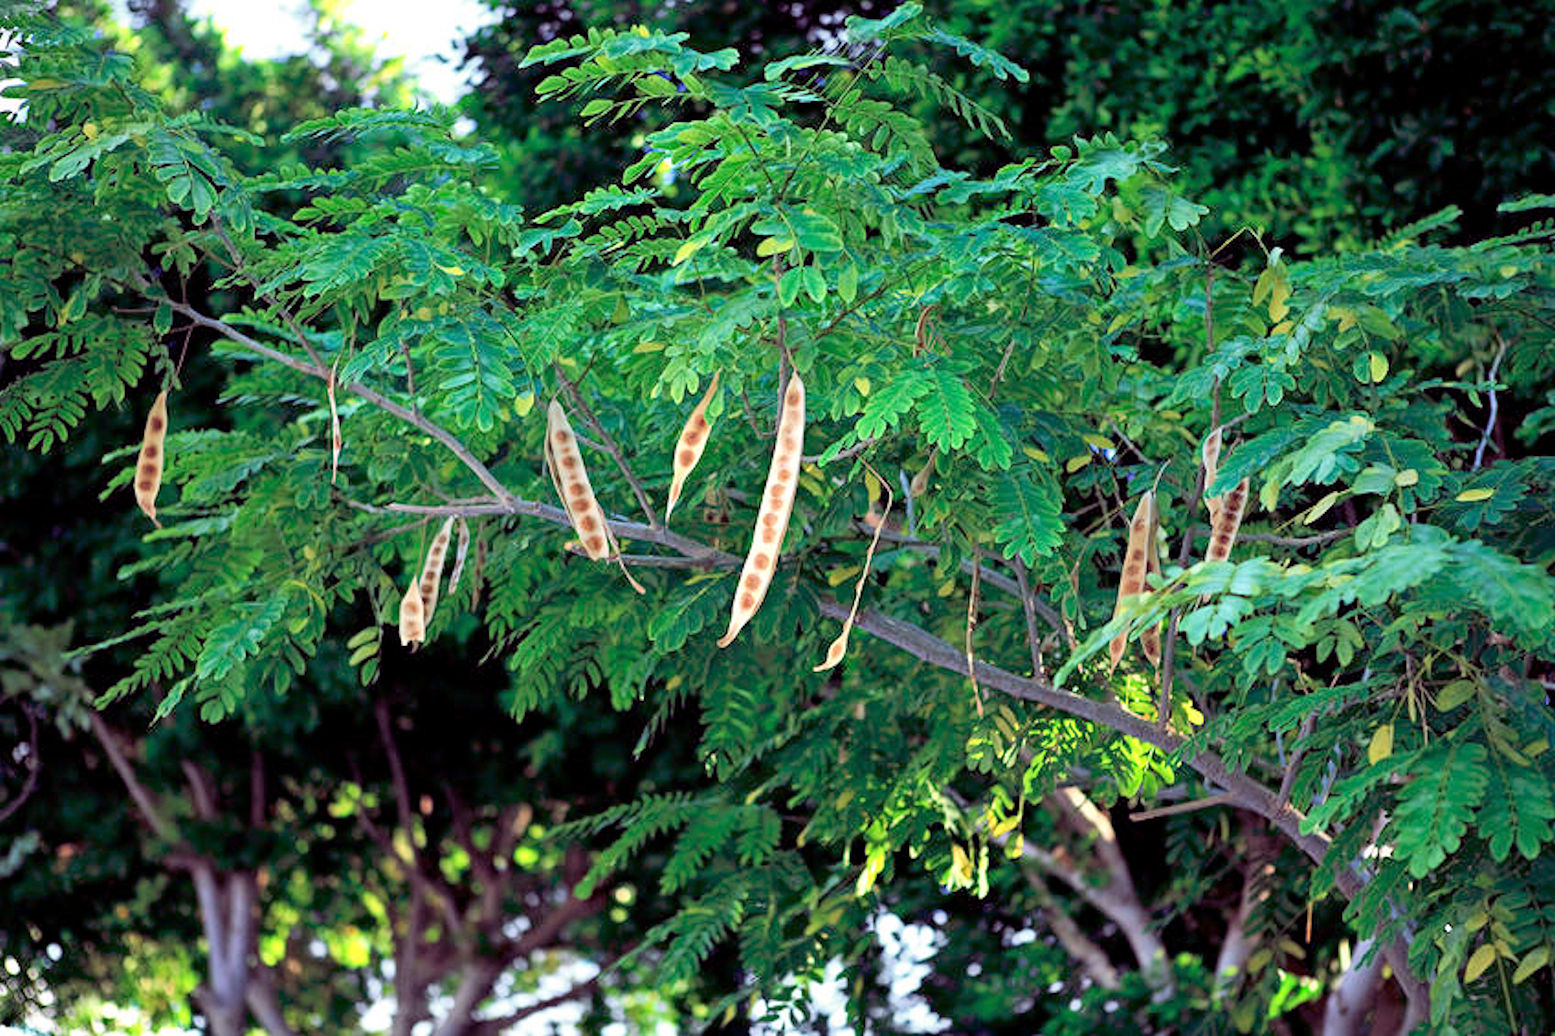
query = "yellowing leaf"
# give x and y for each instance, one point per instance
(1531, 963)
(1282, 328)
(1036, 454)
(1101, 442)
(1378, 367)
(1381, 744)
(1483, 958)
(648, 347)
(523, 403)
(1407, 477)
(1005, 826)
(838, 576)
(774, 246)
(1074, 464)
(1320, 508)
(89, 130)
(452, 271)
(1470, 496)
(1346, 317)
(1454, 694)
(863, 385)
(689, 248)
(962, 862)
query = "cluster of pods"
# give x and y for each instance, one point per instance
(1142, 559)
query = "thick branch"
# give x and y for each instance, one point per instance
(144, 800)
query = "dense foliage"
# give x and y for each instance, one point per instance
(999, 365)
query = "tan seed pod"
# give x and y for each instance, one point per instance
(432, 569)
(1211, 454)
(777, 503)
(1150, 637)
(572, 483)
(688, 450)
(148, 469)
(1141, 533)
(413, 617)
(460, 554)
(335, 439)
(1223, 533)
(839, 647)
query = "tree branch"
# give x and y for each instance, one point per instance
(144, 800)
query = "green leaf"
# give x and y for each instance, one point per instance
(1448, 784)
(947, 416)
(1028, 512)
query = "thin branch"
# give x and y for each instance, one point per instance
(442, 435)
(144, 800)
(1208, 802)
(1028, 608)
(1495, 408)
(286, 314)
(609, 445)
(32, 764)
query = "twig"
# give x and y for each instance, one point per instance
(321, 372)
(32, 764)
(971, 623)
(1225, 798)
(609, 445)
(1495, 407)
(1023, 584)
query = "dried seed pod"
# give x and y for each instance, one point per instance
(688, 450)
(777, 503)
(148, 469)
(1150, 636)
(572, 482)
(1141, 533)
(1211, 454)
(335, 439)
(920, 481)
(839, 647)
(432, 570)
(413, 617)
(1223, 533)
(460, 554)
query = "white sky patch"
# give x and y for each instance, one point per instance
(429, 36)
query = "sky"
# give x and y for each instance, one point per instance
(419, 31)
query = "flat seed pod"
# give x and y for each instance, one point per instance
(688, 450)
(572, 482)
(1223, 532)
(148, 469)
(460, 554)
(1211, 454)
(432, 570)
(777, 503)
(413, 619)
(1150, 637)
(1141, 533)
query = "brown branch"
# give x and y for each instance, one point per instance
(30, 784)
(1028, 608)
(286, 314)
(609, 445)
(144, 800)
(1193, 806)
(442, 435)
(502, 1023)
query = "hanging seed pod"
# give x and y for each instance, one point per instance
(1211, 455)
(148, 469)
(839, 647)
(1223, 533)
(432, 570)
(413, 617)
(335, 439)
(1141, 533)
(693, 440)
(1150, 637)
(777, 503)
(572, 483)
(460, 554)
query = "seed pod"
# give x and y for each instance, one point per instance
(777, 503)
(572, 483)
(693, 440)
(148, 470)
(413, 618)
(432, 570)
(839, 647)
(1141, 533)
(1211, 454)
(335, 440)
(1150, 637)
(1223, 533)
(460, 554)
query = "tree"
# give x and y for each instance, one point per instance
(997, 372)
